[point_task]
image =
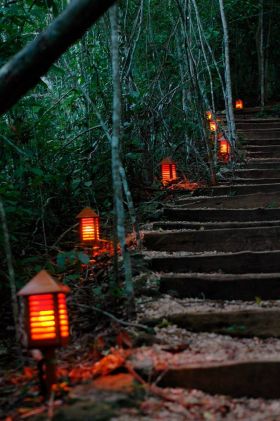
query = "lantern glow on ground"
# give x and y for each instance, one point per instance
(168, 171)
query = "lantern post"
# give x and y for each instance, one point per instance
(168, 171)
(46, 323)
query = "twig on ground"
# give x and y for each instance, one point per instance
(116, 319)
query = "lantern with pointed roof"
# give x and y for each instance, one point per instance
(224, 149)
(45, 312)
(168, 171)
(89, 226)
(212, 126)
(239, 105)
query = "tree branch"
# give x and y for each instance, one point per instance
(24, 70)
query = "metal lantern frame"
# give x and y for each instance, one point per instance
(44, 295)
(89, 219)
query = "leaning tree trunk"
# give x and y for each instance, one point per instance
(24, 70)
(231, 121)
(116, 163)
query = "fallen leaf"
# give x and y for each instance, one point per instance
(121, 382)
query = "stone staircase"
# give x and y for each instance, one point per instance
(220, 250)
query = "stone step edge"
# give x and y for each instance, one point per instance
(230, 224)
(262, 323)
(217, 276)
(242, 378)
(186, 231)
(217, 286)
(152, 254)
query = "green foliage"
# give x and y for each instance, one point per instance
(71, 258)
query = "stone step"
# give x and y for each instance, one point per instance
(247, 201)
(246, 113)
(232, 263)
(255, 124)
(254, 120)
(261, 141)
(260, 133)
(262, 322)
(262, 154)
(255, 173)
(256, 180)
(236, 189)
(183, 225)
(239, 189)
(263, 164)
(218, 286)
(259, 378)
(223, 240)
(263, 148)
(220, 215)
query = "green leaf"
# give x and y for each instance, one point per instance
(60, 260)
(83, 258)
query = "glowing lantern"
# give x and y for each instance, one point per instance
(213, 126)
(46, 323)
(89, 225)
(46, 318)
(168, 170)
(239, 104)
(209, 115)
(224, 149)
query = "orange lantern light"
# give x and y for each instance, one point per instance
(213, 126)
(46, 317)
(168, 171)
(224, 149)
(239, 105)
(89, 225)
(209, 115)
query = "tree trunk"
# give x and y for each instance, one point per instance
(231, 121)
(24, 70)
(261, 54)
(116, 163)
(11, 272)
